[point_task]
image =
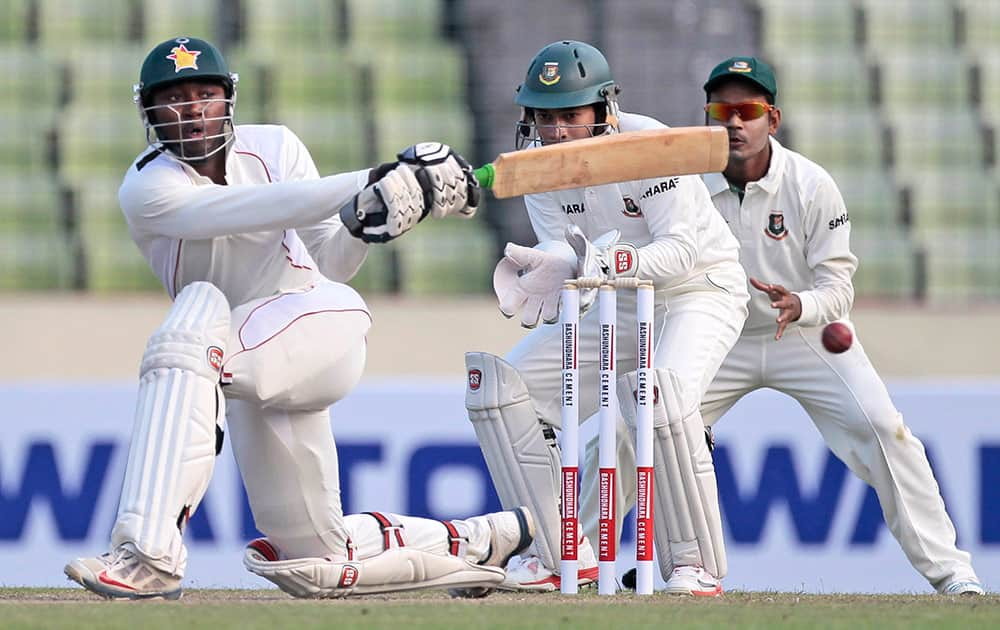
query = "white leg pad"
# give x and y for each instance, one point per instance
(178, 411)
(688, 521)
(521, 452)
(396, 569)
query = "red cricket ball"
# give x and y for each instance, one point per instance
(837, 337)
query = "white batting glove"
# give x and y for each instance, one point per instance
(605, 257)
(387, 208)
(446, 177)
(529, 280)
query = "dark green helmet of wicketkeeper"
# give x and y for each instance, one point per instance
(568, 74)
(173, 61)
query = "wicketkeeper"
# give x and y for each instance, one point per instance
(664, 230)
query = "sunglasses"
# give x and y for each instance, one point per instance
(747, 111)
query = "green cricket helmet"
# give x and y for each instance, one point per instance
(568, 74)
(173, 61)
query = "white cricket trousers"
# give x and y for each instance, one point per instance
(292, 356)
(850, 406)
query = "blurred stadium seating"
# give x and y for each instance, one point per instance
(791, 27)
(71, 26)
(896, 98)
(34, 247)
(276, 27)
(163, 20)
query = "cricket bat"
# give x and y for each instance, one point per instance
(620, 157)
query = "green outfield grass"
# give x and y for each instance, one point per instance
(73, 608)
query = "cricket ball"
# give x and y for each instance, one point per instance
(837, 337)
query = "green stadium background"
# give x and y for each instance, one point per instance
(898, 99)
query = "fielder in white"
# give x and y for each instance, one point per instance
(665, 231)
(252, 244)
(794, 235)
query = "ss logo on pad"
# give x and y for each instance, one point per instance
(475, 379)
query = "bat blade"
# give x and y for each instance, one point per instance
(621, 157)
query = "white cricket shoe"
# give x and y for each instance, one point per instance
(122, 574)
(693, 580)
(528, 573)
(964, 587)
(511, 532)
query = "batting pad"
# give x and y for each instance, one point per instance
(396, 569)
(173, 445)
(687, 519)
(521, 453)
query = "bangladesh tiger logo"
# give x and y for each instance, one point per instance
(550, 73)
(776, 226)
(740, 66)
(631, 209)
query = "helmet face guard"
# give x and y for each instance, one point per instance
(565, 75)
(174, 61)
(527, 131)
(167, 132)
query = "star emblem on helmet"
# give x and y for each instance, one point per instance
(183, 58)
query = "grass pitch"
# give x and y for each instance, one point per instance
(216, 609)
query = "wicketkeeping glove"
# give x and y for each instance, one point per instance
(529, 280)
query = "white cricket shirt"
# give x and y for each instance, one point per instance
(793, 230)
(274, 227)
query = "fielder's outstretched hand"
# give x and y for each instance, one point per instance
(788, 304)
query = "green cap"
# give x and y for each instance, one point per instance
(180, 59)
(748, 68)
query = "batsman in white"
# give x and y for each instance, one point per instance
(663, 230)
(252, 245)
(794, 234)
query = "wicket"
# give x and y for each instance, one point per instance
(569, 322)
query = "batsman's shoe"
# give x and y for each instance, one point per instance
(693, 580)
(121, 574)
(964, 587)
(528, 573)
(511, 532)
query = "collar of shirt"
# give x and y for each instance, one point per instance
(717, 182)
(190, 170)
(772, 179)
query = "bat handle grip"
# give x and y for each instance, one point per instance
(484, 174)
